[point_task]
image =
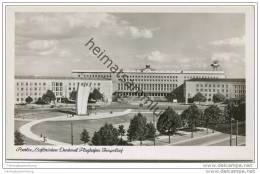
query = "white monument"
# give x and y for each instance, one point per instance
(82, 99)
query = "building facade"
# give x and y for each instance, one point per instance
(151, 81)
(230, 88)
(36, 86)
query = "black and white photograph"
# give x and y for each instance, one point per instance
(121, 78)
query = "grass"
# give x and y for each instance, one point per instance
(61, 130)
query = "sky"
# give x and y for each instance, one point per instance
(52, 44)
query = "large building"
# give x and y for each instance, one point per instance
(230, 88)
(151, 81)
(36, 86)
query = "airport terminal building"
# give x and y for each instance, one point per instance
(36, 86)
(154, 83)
(230, 88)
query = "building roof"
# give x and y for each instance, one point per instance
(151, 71)
(57, 78)
(217, 80)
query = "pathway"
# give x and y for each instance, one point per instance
(26, 128)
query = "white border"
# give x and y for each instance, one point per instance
(197, 152)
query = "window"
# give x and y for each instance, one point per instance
(17, 99)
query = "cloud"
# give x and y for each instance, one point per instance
(233, 42)
(64, 53)
(68, 25)
(42, 47)
(154, 56)
(225, 56)
(140, 33)
(184, 60)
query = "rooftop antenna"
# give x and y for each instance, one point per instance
(215, 65)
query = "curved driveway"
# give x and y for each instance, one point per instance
(26, 129)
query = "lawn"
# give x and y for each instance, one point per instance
(61, 130)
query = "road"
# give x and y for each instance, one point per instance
(217, 139)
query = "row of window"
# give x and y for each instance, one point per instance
(206, 95)
(211, 90)
(211, 85)
(240, 87)
(95, 75)
(30, 83)
(149, 87)
(23, 99)
(30, 89)
(29, 94)
(200, 77)
(154, 80)
(240, 91)
(147, 94)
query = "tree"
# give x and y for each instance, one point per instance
(40, 101)
(137, 128)
(96, 95)
(96, 139)
(191, 115)
(73, 95)
(84, 136)
(240, 112)
(121, 131)
(28, 99)
(218, 97)
(230, 110)
(212, 114)
(18, 138)
(171, 96)
(150, 130)
(48, 96)
(107, 135)
(199, 97)
(168, 122)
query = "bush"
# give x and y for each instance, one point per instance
(150, 130)
(218, 97)
(28, 99)
(107, 135)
